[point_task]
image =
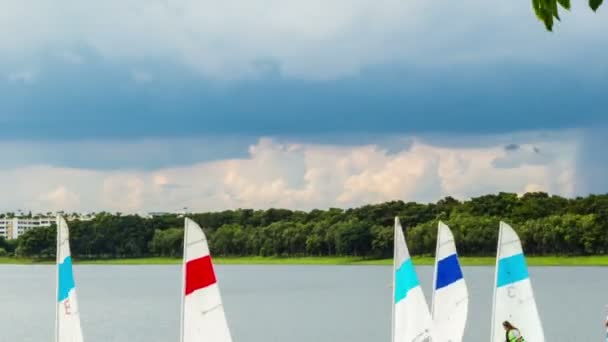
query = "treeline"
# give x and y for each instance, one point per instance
(547, 225)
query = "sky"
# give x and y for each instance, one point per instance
(146, 105)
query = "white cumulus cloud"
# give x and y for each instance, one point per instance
(58, 199)
(296, 175)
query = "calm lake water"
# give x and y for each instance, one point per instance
(280, 303)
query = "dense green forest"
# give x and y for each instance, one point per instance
(547, 225)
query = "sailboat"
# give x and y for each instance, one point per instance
(513, 295)
(412, 320)
(67, 315)
(203, 317)
(450, 295)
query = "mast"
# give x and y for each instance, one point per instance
(435, 272)
(394, 269)
(57, 261)
(183, 287)
(498, 248)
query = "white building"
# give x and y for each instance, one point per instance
(12, 228)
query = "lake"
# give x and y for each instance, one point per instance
(281, 303)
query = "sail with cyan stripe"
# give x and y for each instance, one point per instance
(203, 317)
(67, 315)
(513, 296)
(411, 316)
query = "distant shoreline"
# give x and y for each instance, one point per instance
(599, 260)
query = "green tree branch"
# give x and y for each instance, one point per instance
(548, 10)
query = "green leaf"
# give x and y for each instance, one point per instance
(595, 4)
(554, 9)
(550, 6)
(548, 20)
(564, 3)
(543, 12)
(538, 10)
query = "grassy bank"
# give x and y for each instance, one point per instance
(601, 260)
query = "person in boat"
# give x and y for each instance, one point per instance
(512, 334)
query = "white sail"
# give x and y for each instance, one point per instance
(411, 316)
(450, 296)
(203, 317)
(513, 295)
(67, 315)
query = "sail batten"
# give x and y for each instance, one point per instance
(203, 316)
(513, 295)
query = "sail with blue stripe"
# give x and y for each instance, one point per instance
(513, 296)
(67, 315)
(450, 293)
(411, 316)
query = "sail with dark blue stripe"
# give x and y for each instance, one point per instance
(450, 295)
(448, 272)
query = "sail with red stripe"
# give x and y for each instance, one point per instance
(203, 317)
